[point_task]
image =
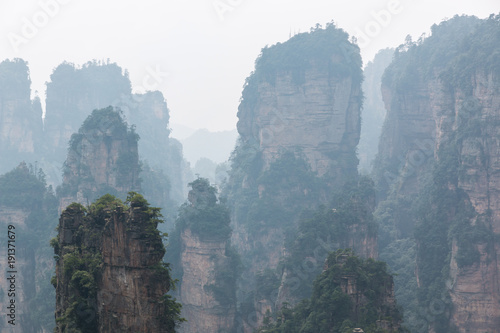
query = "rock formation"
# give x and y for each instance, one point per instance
(305, 98)
(299, 125)
(440, 148)
(208, 264)
(102, 158)
(20, 117)
(109, 273)
(28, 214)
(74, 92)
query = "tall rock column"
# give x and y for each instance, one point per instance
(208, 264)
(109, 274)
(102, 158)
(299, 125)
(20, 117)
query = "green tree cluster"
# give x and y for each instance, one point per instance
(332, 309)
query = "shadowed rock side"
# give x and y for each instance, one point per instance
(20, 117)
(207, 265)
(438, 166)
(109, 274)
(102, 158)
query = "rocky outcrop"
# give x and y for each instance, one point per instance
(20, 117)
(102, 158)
(109, 273)
(475, 291)
(439, 146)
(207, 264)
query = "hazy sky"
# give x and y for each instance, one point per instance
(199, 52)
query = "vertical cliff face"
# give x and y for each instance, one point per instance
(440, 148)
(201, 306)
(475, 290)
(20, 118)
(207, 263)
(102, 158)
(109, 274)
(28, 209)
(305, 98)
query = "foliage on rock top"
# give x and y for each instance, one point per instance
(329, 46)
(203, 214)
(15, 78)
(82, 261)
(455, 50)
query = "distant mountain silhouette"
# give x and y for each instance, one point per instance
(216, 146)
